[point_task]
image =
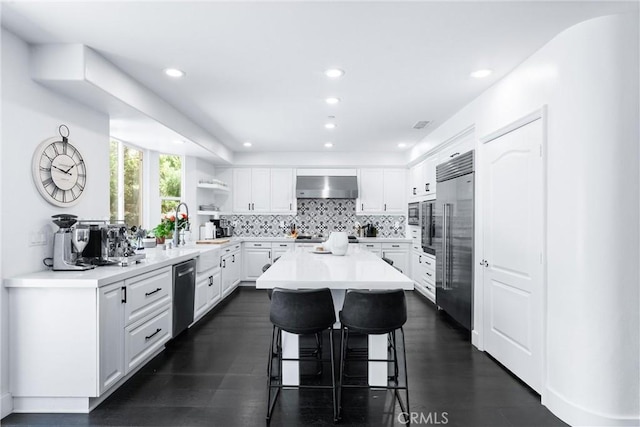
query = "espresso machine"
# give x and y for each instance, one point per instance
(110, 244)
(68, 244)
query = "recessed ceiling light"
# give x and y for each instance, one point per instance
(334, 73)
(402, 145)
(328, 144)
(174, 72)
(330, 125)
(481, 74)
(247, 144)
(332, 100)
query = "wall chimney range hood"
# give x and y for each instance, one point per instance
(326, 187)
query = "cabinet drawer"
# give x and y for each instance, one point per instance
(395, 246)
(146, 293)
(429, 263)
(370, 246)
(278, 245)
(430, 277)
(141, 341)
(257, 244)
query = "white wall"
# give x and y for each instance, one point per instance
(31, 114)
(588, 78)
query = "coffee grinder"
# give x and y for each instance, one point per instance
(68, 244)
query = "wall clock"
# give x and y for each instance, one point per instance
(59, 171)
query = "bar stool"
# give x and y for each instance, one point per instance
(375, 313)
(300, 312)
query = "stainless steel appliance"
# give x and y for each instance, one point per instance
(184, 285)
(428, 226)
(413, 214)
(109, 244)
(68, 243)
(327, 187)
(454, 216)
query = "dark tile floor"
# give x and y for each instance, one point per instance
(215, 375)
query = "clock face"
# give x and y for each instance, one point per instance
(59, 172)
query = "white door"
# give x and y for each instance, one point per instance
(214, 291)
(200, 303)
(430, 175)
(282, 198)
(371, 188)
(254, 260)
(512, 250)
(260, 190)
(394, 185)
(241, 190)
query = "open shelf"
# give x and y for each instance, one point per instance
(208, 212)
(215, 187)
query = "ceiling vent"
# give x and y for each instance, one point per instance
(421, 124)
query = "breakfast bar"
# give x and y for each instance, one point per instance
(358, 269)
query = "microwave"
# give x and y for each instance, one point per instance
(413, 216)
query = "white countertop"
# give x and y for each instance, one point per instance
(101, 276)
(358, 269)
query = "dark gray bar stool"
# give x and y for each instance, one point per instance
(374, 313)
(300, 312)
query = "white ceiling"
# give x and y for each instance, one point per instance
(255, 69)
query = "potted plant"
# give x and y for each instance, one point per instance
(167, 226)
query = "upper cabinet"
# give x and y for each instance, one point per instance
(251, 190)
(283, 194)
(381, 191)
(263, 190)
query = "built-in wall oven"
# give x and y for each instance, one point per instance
(428, 226)
(413, 215)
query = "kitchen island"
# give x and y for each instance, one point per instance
(358, 269)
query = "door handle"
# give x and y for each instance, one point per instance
(445, 248)
(124, 295)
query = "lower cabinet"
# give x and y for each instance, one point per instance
(399, 254)
(424, 274)
(231, 268)
(255, 256)
(376, 248)
(142, 339)
(208, 290)
(111, 333)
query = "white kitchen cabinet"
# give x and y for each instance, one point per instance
(375, 248)
(415, 180)
(381, 191)
(423, 274)
(147, 293)
(371, 191)
(208, 288)
(251, 190)
(399, 254)
(231, 265)
(283, 199)
(422, 178)
(279, 249)
(143, 339)
(429, 175)
(255, 256)
(111, 334)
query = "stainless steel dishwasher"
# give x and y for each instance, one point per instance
(184, 285)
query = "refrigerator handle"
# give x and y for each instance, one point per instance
(445, 225)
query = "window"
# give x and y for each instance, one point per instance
(126, 195)
(170, 182)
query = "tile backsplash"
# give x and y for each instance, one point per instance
(315, 217)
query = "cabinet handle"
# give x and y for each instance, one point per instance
(269, 254)
(385, 206)
(146, 294)
(124, 295)
(210, 280)
(224, 263)
(233, 258)
(429, 274)
(420, 259)
(426, 187)
(257, 244)
(152, 335)
(283, 245)
(362, 207)
(395, 246)
(428, 184)
(253, 207)
(414, 191)
(249, 206)
(290, 206)
(454, 154)
(220, 262)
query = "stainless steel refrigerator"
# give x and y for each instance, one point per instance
(454, 237)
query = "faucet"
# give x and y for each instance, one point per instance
(176, 234)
